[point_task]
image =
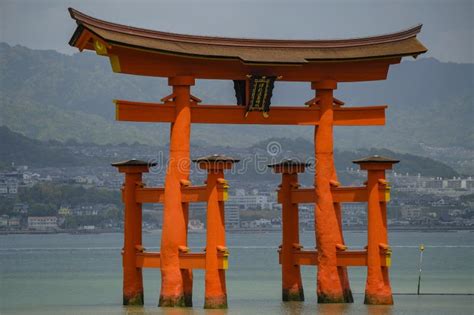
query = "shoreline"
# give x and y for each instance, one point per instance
(360, 229)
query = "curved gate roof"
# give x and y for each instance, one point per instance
(399, 44)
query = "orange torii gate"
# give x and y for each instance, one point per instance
(184, 58)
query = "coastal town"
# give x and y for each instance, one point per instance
(419, 202)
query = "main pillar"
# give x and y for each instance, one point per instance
(292, 286)
(176, 283)
(132, 238)
(377, 289)
(215, 284)
(330, 285)
(342, 270)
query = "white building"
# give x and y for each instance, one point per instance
(470, 183)
(251, 202)
(232, 216)
(435, 183)
(14, 222)
(85, 210)
(239, 192)
(410, 212)
(3, 188)
(195, 226)
(452, 184)
(13, 188)
(42, 223)
(455, 183)
(3, 221)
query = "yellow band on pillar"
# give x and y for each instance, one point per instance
(115, 63)
(100, 48)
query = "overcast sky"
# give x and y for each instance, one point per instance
(448, 29)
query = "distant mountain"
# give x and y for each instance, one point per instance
(303, 149)
(21, 150)
(48, 95)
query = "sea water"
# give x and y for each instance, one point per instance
(81, 274)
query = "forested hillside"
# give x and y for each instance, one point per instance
(48, 95)
(21, 150)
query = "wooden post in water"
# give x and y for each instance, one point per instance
(215, 284)
(377, 290)
(176, 283)
(132, 238)
(330, 286)
(292, 286)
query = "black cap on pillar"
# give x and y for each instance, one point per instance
(215, 161)
(376, 162)
(133, 166)
(289, 166)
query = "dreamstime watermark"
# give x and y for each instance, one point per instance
(253, 163)
(274, 148)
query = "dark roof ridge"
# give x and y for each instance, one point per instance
(82, 19)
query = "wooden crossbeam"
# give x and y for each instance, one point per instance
(188, 194)
(339, 194)
(186, 260)
(232, 114)
(150, 195)
(344, 258)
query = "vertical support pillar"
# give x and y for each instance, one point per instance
(215, 284)
(330, 286)
(342, 270)
(132, 276)
(176, 283)
(292, 286)
(377, 289)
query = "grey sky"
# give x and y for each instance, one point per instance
(448, 29)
